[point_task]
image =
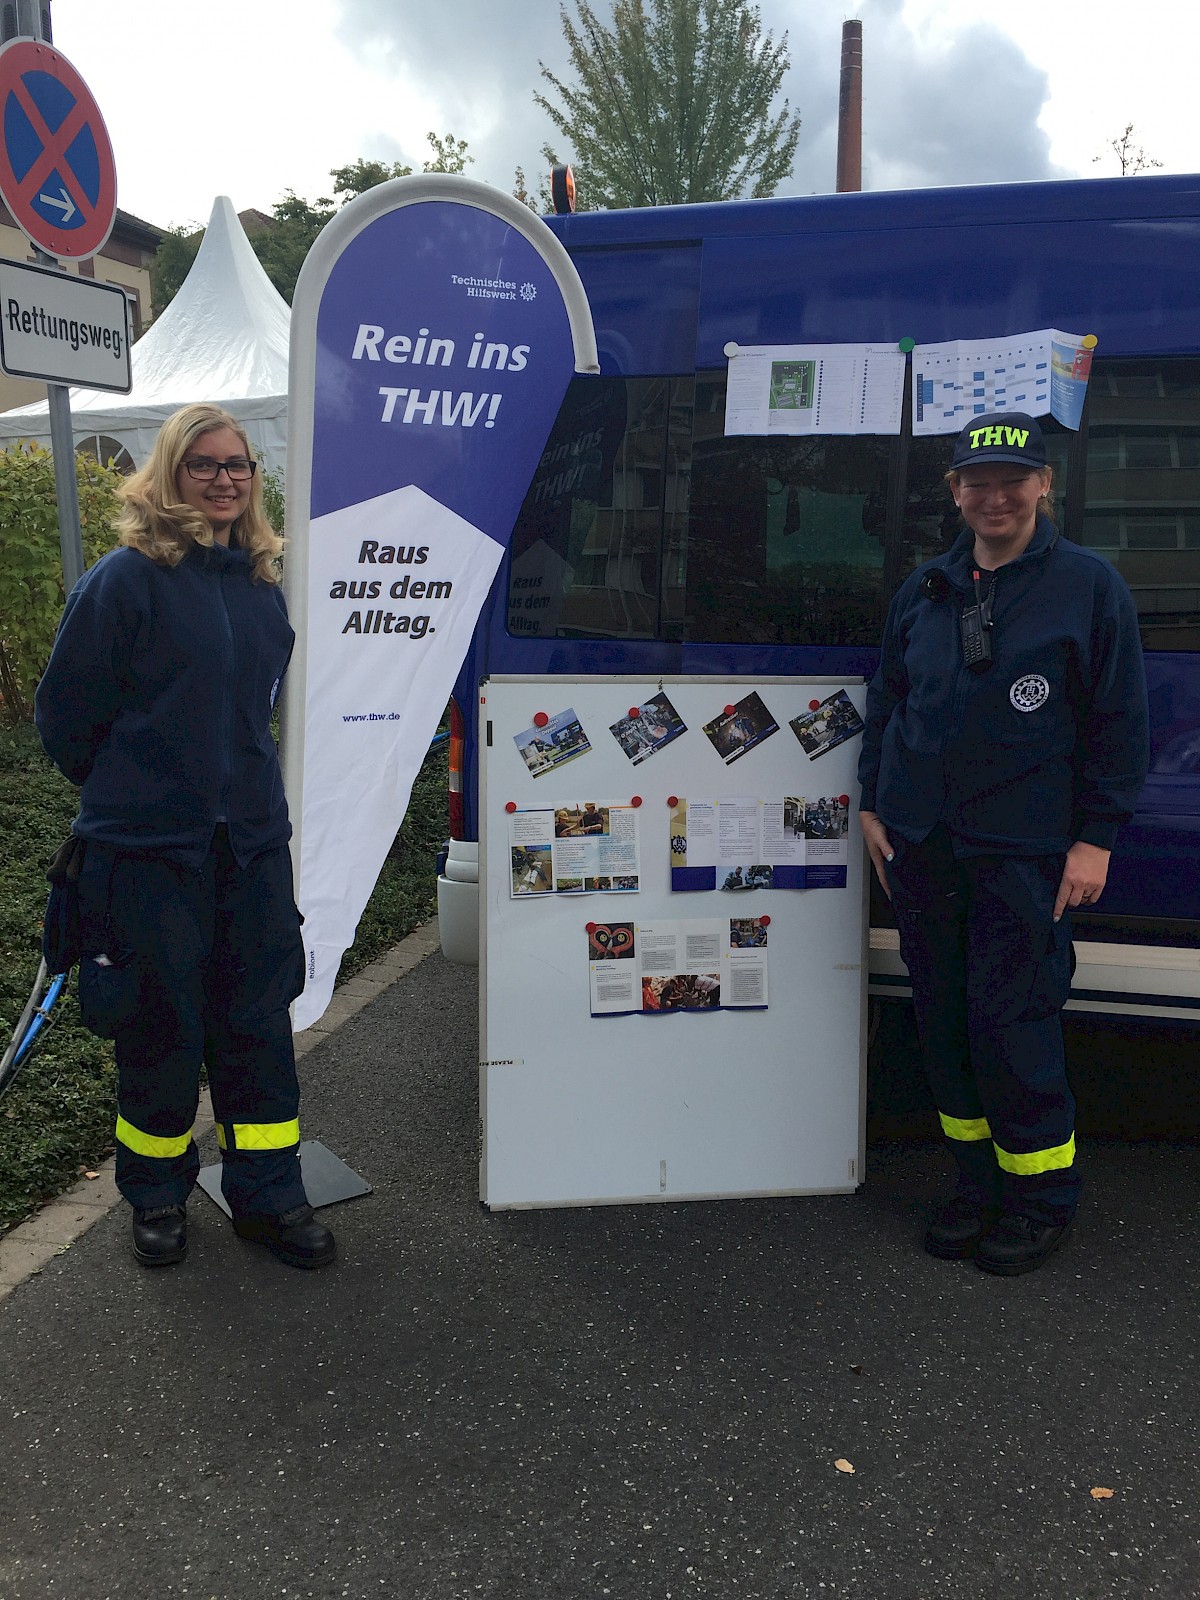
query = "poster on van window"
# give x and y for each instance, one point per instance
(814, 388)
(435, 327)
(1043, 373)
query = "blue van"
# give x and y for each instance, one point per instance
(650, 543)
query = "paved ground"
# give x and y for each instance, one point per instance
(627, 1401)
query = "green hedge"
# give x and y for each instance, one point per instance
(31, 578)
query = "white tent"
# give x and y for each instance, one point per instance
(223, 338)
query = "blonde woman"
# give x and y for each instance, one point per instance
(157, 702)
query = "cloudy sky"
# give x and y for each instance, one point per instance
(253, 97)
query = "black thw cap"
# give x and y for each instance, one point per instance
(1000, 436)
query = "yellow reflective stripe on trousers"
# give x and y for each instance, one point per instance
(258, 1135)
(967, 1129)
(151, 1144)
(1035, 1161)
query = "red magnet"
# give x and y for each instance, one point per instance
(636, 801)
(540, 720)
(729, 710)
(635, 711)
(672, 801)
(843, 799)
(589, 927)
(766, 921)
(511, 806)
(814, 705)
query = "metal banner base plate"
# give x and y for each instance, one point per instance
(326, 1178)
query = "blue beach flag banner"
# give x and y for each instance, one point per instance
(435, 327)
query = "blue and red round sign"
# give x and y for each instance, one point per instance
(57, 175)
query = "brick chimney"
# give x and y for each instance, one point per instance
(849, 145)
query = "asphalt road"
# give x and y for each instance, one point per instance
(639, 1402)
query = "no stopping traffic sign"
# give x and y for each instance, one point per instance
(57, 174)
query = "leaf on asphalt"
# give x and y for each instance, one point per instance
(843, 1465)
(857, 1370)
(90, 1174)
(1102, 1494)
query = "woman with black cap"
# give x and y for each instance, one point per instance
(1006, 742)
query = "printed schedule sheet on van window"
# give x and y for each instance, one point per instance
(1039, 373)
(814, 388)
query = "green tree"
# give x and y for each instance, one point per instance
(448, 154)
(674, 102)
(539, 202)
(172, 263)
(282, 247)
(1131, 157)
(296, 222)
(362, 175)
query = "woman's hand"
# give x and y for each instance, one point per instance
(879, 845)
(1084, 877)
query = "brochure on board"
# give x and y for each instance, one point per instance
(588, 847)
(700, 964)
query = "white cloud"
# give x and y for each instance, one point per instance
(250, 97)
(1107, 64)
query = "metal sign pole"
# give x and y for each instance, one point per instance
(36, 22)
(66, 488)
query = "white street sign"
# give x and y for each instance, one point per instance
(63, 329)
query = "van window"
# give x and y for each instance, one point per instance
(785, 539)
(587, 548)
(1142, 494)
(644, 521)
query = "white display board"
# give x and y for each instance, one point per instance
(582, 1109)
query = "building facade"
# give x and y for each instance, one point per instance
(125, 260)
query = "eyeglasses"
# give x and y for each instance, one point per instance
(238, 468)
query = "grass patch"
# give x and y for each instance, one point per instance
(57, 1118)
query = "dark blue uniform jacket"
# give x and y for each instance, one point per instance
(157, 701)
(1049, 745)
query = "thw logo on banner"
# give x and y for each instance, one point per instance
(435, 327)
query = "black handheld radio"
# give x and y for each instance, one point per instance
(976, 626)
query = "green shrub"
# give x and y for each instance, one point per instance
(272, 492)
(58, 1115)
(31, 577)
(406, 894)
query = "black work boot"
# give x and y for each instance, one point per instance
(160, 1235)
(957, 1226)
(296, 1237)
(1019, 1244)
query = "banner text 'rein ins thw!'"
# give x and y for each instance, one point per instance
(444, 407)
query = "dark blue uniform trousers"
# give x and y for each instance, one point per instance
(201, 966)
(991, 971)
